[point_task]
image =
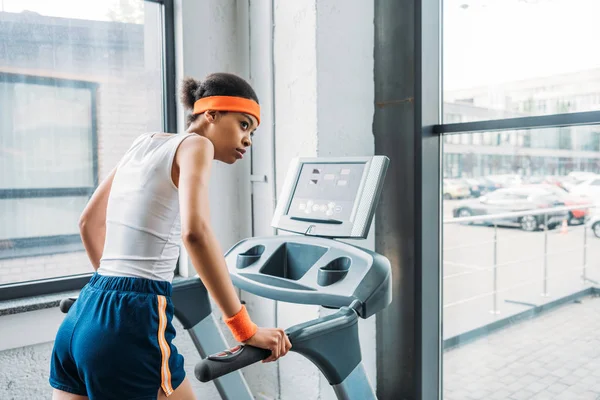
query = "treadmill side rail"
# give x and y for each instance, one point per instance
(355, 386)
(330, 342)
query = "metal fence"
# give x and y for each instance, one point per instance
(492, 219)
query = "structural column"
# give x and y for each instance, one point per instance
(407, 100)
(324, 93)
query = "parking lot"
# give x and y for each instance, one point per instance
(523, 260)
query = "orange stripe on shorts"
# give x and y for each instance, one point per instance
(165, 350)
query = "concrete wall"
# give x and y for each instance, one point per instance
(312, 66)
(324, 97)
(295, 54)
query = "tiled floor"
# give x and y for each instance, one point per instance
(552, 356)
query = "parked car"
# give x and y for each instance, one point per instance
(563, 182)
(480, 186)
(589, 188)
(512, 200)
(474, 189)
(507, 180)
(580, 176)
(455, 189)
(594, 224)
(577, 215)
(490, 185)
(534, 180)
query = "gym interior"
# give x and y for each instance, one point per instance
(469, 264)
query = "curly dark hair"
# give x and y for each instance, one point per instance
(217, 84)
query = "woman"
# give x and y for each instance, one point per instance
(116, 341)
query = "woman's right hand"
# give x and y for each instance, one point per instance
(274, 339)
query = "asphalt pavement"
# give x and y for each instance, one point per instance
(490, 274)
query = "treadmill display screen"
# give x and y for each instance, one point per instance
(326, 191)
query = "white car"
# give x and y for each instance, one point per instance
(582, 176)
(589, 188)
(594, 224)
(456, 189)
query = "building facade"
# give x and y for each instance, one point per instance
(552, 151)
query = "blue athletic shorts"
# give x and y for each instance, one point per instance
(116, 341)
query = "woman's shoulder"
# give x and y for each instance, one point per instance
(196, 147)
(196, 142)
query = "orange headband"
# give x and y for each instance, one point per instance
(228, 103)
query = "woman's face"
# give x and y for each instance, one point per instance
(231, 133)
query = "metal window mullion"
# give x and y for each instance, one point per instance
(534, 122)
(169, 68)
(34, 193)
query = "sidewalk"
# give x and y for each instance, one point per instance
(552, 356)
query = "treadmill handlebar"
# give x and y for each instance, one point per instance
(321, 340)
(227, 361)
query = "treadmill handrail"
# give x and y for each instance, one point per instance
(319, 340)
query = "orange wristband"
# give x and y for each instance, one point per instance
(241, 325)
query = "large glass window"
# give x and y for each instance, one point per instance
(521, 216)
(514, 58)
(78, 82)
(521, 266)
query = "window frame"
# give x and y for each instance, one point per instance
(17, 290)
(521, 123)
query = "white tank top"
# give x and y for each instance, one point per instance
(143, 227)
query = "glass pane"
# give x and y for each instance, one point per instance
(52, 149)
(35, 217)
(521, 242)
(78, 82)
(514, 58)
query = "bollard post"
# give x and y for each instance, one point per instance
(545, 292)
(584, 252)
(495, 307)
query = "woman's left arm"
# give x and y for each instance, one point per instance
(92, 222)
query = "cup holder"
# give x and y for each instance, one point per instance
(249, 257)
(334, 271)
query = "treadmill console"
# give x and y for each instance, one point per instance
(322, 199)
(331, 197)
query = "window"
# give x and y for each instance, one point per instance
(587, 138)
(500, 270)
(48, 162)
(543, 70)
(514, 259)
(77, 84)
